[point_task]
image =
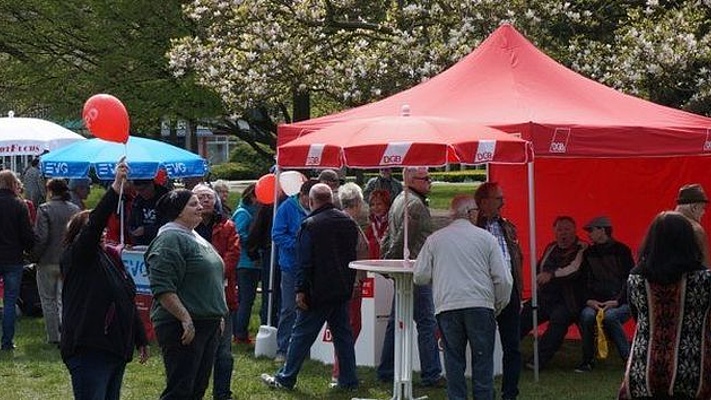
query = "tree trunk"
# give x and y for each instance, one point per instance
(302, 106)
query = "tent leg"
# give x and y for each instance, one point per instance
(532, 260)
(270, 296)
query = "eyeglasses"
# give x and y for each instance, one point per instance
(426, 178)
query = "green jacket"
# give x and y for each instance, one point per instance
(181, 262)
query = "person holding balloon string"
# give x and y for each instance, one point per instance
(100, 322)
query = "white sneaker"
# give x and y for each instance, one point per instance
(271, 382)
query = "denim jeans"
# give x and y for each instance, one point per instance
(12, 279)
(306, 328)
(612, 323)
(509, 322)
(276, 292)
(187, 367)
(96, 375)
(49, 285)
(288, 311)
(224, 362)
(423, 312)
(247, 281)
(476, 326)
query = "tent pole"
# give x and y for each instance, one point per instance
(532, 261)
(270, 297)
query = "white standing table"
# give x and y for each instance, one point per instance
(401, 273)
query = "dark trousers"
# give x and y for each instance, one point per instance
(224, 363)
(96, 375)
(276, 292)
(305, 331)
(509, 323)
(559, 319)
(187, 367)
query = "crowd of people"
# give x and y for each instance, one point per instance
(206, 262)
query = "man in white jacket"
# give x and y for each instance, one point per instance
(471, 284)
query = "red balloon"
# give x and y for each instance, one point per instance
(266, 185)
(106, 118)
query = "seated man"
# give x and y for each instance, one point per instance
(559, 288)
(606, 266)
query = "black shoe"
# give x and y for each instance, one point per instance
(440, 382)
(8, 348)
(584, 367)
(338, 388)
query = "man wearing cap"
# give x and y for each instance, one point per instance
(691, 203)
(606, 266)
(143, 221)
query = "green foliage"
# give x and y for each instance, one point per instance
(245, 163)
(55, 55)
(441, 195)
(469, 175)
(233, 171)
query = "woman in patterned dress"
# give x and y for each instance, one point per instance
(670, 297)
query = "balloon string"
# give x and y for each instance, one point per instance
(120, 207)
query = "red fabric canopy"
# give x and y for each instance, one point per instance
(393, 141)
(598, 151)
(507, 83)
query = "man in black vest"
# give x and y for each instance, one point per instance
(324, 283)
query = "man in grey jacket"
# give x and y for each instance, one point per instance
(471, 284)
(52, 219)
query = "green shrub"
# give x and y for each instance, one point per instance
(469, 175)
(232, 171)
(244, 154)
(245, 163)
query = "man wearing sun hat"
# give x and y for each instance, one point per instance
(691, 203)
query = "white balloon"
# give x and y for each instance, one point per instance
(291, 181)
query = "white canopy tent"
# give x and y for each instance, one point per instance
(22, 138)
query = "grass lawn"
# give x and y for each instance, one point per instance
(35, 370)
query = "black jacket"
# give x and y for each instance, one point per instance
(143, 214)
(99, 312)
(16, 234)
(326, 244)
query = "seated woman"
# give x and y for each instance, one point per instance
(100, 322)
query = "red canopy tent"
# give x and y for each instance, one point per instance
(403, 140)
(598, 151)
